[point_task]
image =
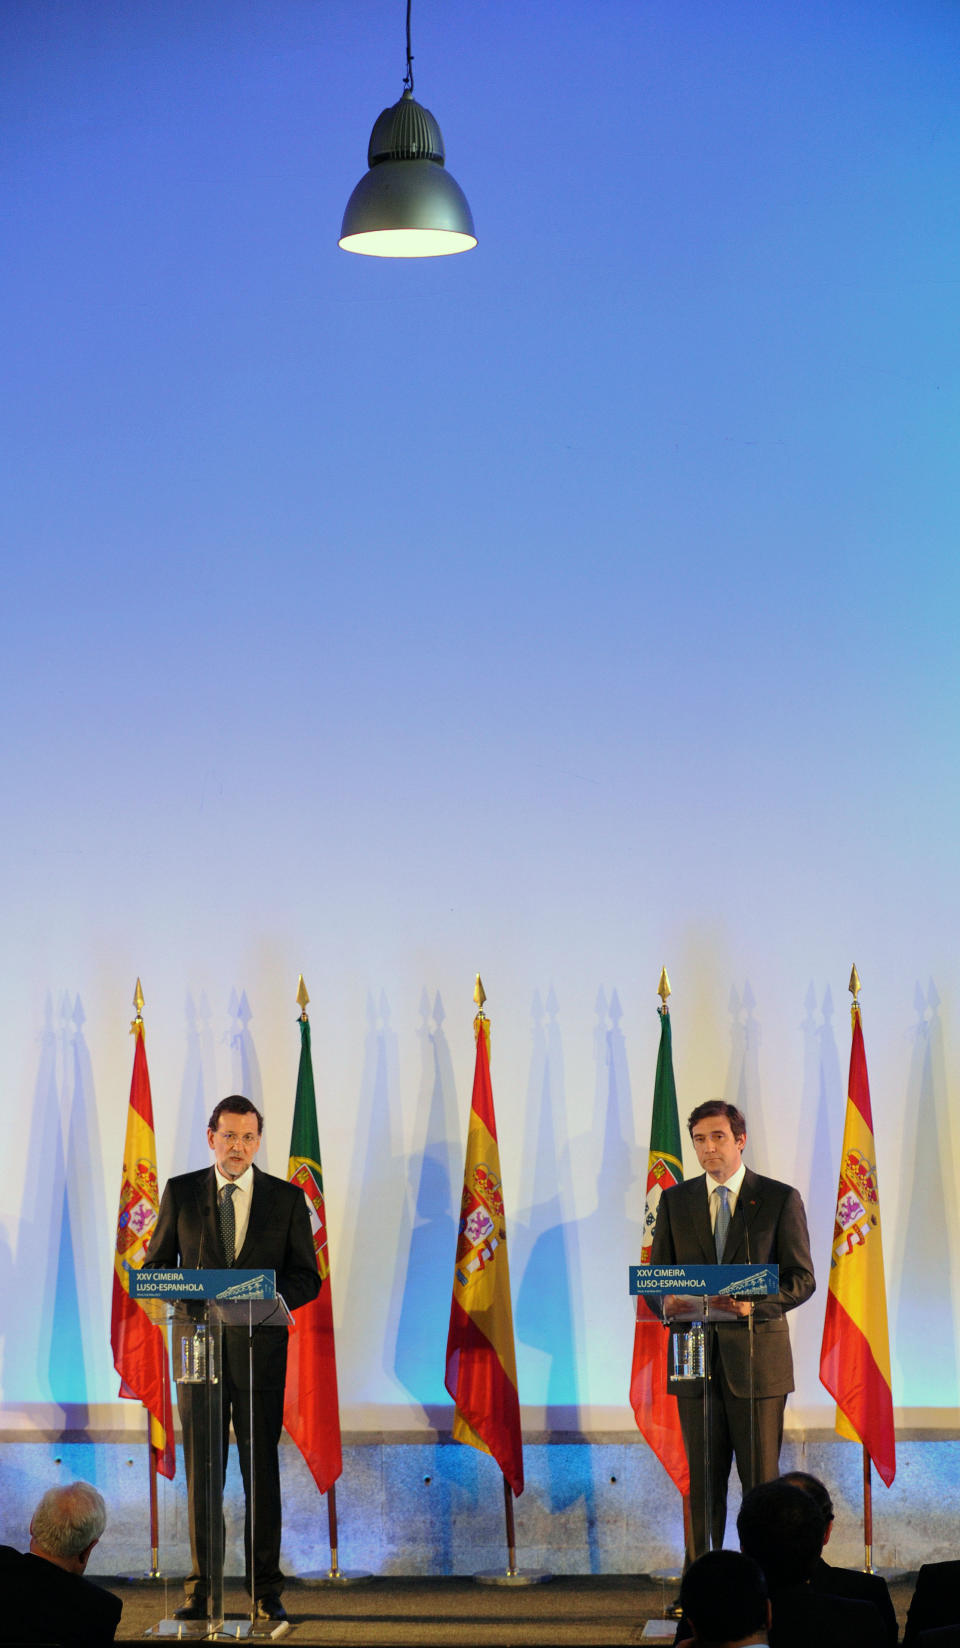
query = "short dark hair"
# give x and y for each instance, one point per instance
(236, 1105)
(818, 1491)
(781, 1527)
(724, 1595)
(716, 1107)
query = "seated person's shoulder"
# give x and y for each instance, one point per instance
(837, 1621)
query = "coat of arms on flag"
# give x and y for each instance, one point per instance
(660, 1177)
(305, 1177)
(481, 1223)
(857, 1193)
(139, 1203)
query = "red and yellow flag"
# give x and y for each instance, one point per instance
(481, 1371)
(654, 1409)
(140, 1344)
(311, 1407)
(855, 1354)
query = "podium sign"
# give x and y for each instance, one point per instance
(184, 1286)
(708, 1281)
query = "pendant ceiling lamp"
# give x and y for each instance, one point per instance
(407, 205)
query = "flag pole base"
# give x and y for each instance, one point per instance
(338, 1577)
(670, 1579)
(513, 1576)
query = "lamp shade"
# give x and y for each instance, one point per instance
(407, 204)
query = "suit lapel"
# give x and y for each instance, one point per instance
(211, 1246)
(260, 1199)
(700, 1213)
(748, 1206)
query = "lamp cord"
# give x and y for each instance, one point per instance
(408, 77)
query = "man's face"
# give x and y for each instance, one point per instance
(718, 1152)
(234, 1144)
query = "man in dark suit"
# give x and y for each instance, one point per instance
(227, 1214)
(936, 1601)
(44, 1596)
(734, 1216)
(781, 1528)
(846, 1582)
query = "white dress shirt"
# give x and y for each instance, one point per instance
(733, 1184)
(241, 1202)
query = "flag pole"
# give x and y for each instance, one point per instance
(663, 991)
(511, 1575)
(855, 1350)
(154, 1572)
(511, 1530)
(854, 988)
(867, 1515)
(334, 1572)
(334, 1575)
(479, 1027)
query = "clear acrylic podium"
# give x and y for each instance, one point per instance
(200, 1306)
(684, 1298)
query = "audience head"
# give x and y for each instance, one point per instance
(67, 1523)
(724, 1597)
(781, 1527)
(818, 1492)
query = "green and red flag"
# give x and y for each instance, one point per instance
(654, 1409)
(855, 1352)
(481, 1369)
(311, 1404)
(139, 1343)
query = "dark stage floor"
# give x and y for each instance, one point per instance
(454, 1612)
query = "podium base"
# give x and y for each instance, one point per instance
(229, 1630)
(659, 1630)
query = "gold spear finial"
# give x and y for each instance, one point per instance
(854, 986)
(663, 988)
(481, 1024)
(137, 1025)
(302, 997)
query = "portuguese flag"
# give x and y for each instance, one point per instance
(654, 1409)
(311, 1404)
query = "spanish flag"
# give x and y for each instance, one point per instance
(481, 1371)
(855, 1354)
(140, 1344)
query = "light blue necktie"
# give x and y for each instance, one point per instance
(723, 1221)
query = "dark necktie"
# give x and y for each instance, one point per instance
(228, 1222)
(723, 1221)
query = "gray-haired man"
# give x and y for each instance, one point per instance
(45, 1594)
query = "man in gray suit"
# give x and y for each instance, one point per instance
(731, 1215)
